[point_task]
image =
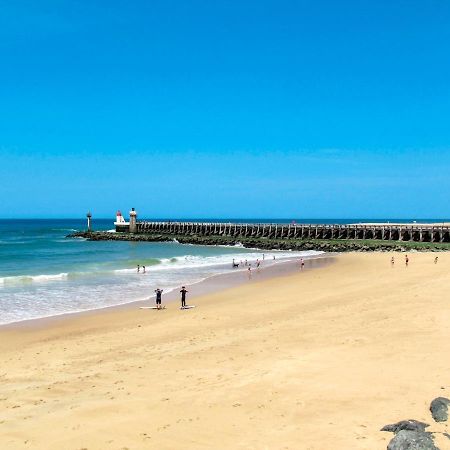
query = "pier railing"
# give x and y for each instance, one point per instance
(388, 232)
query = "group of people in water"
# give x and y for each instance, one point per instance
(248, 264)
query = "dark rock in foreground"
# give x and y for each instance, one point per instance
(408, 425)
(439, 409)
(412, 440)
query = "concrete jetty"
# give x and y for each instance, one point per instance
(417, 232)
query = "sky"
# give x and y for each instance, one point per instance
(215, 109)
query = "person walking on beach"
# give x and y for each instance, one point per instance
(436, 260)
(392, 261)
(158, 298)
(138, 268)
(183, 296)
(406, 260)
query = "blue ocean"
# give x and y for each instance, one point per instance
(43, 273)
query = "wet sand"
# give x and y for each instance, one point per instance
(319, 359)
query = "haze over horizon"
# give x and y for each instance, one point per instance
(203, 109)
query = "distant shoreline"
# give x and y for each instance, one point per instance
(327, 245)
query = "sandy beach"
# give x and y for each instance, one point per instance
(318, 360)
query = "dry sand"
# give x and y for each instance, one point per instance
(316, 360)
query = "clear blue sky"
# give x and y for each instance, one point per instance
(225, 108)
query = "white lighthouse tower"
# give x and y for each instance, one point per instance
(89, 223)
(133, 224)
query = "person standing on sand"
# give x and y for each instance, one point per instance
(406, 260)
(183, 296)
(158, 298)
(436, 260)
(302, 264)
(392, 261)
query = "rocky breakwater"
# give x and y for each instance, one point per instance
(109, 236)
(262, 243)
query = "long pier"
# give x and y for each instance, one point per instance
(387, 232)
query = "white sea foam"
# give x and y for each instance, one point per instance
(69, 241)
(193, 261)
(44, 278)
(33, 278)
